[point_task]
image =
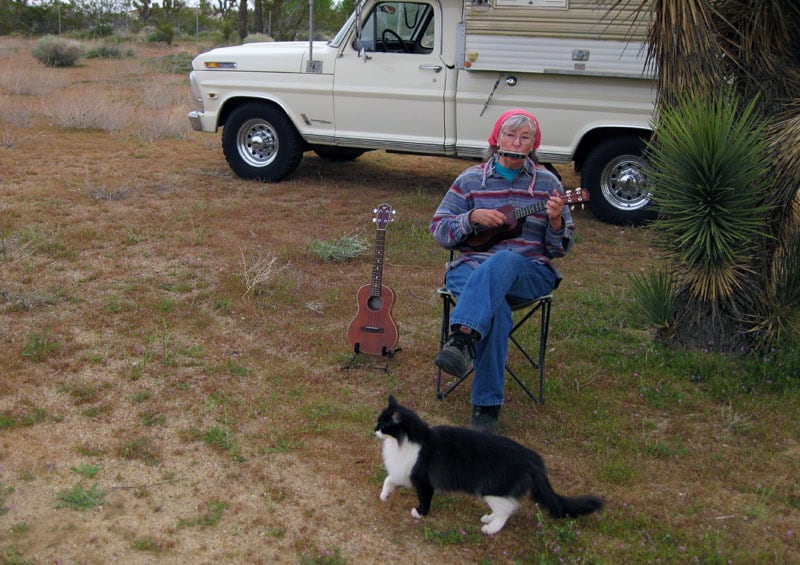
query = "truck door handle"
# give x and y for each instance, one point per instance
(434, 68)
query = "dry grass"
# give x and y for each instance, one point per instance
(166, 324)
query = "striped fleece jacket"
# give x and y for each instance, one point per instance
(481, 187)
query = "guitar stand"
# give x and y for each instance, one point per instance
(385, 354)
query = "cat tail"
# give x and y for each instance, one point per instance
(579, 505)
(561, 506)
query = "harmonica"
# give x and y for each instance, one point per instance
(511, 154)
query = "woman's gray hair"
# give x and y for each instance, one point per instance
(512, 123)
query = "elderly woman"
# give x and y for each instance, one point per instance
(500, 259)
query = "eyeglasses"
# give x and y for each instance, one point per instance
(523, 138)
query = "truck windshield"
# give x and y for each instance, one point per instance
(340, 35)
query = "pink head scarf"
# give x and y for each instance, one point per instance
(537, 140)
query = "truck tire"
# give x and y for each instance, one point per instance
(613, 173)
(338, 154)
(260, 142)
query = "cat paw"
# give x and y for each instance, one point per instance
(387, 489)
(486, 518)
(491, 529)
(415, 514)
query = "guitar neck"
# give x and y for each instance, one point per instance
(529, 209)
(377, 266)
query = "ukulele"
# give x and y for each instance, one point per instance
(373, 330)
(485, 238)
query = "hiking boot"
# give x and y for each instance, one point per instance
(456, 354)
(484, 418)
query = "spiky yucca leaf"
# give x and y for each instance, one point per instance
(655, 293)
(708, 161)
(784, 136)
(776, 316)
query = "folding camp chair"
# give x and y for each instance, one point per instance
(528, 309)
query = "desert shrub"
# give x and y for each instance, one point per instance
(178, 63)
(95, 31)
(57, 52)
(339, 250)
(105, 52)
(226, 29)
(163, 33)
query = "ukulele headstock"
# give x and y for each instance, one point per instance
(577, 196)
(383, 215)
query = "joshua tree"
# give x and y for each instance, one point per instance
(735, 248)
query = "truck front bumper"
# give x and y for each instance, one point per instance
(196, 120)
(202, 121)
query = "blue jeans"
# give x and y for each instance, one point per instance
(482, 306)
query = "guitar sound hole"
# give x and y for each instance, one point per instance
(375, 303)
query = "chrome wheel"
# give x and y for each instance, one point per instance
(257, 143)
(623, 183)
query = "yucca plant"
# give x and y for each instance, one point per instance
(655, 293)
(709, 162)
(703, 49)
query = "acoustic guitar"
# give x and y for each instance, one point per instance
(373, 330)
(485, 237)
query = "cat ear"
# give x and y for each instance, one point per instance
(396, 417)
(392, 401)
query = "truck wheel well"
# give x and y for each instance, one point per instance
(595, 136)
(233, 103)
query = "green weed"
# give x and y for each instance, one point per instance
(40, 346)
(339, 250)
(324, 557)
(12, 557)
(218, 438)
(142, 448)
(211, 516)
(152, 419)
(22, 417)
(78, 498)
(146, 544)
(450, 536)
(19, 528)
(86, 470)
(142, 396)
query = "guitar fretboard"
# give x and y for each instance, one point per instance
(377, 265)
(529, 209)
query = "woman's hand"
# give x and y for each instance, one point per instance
(554, 207)
(487, 217)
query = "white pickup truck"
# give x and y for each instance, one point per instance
(430, 77)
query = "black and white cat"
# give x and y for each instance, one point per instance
(446, 458)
